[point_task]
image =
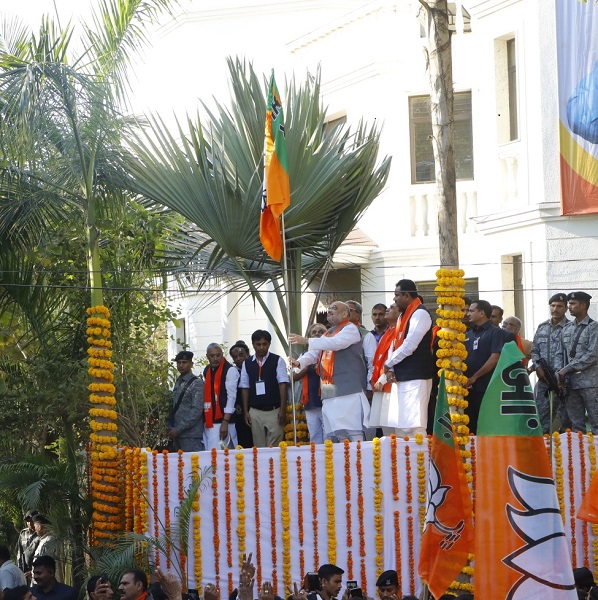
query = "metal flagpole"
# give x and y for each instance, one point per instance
(285, 279)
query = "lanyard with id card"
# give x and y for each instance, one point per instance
(260, 386)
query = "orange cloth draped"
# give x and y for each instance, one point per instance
(403, 321)
(326, 362)
(207, 395)
(380, 357)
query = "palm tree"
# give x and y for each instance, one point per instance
(210, 172)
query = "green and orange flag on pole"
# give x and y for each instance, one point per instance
(520, 547)
(448, 532)
(276, 195)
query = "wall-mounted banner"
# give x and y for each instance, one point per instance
(577, 49)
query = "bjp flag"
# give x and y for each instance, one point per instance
(448, 532)
(276, 196)
(520, 546)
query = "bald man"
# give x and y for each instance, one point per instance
(339, 357)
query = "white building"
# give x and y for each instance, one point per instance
(514, 245)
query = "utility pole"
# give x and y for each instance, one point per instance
(440, 67)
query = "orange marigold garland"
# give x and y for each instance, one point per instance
(329, 465)
(349, 526)
(197, 555)
(240, 481)
(592, 454)
(215, 517)
(300, 515)
(314, 502)
(285, 517)
(167, 527)
(256, 498)
(378, 522)
(398, 556)
(409, 497)
(360, 512)
(156, 502)
(571, 497)
(182, 542)
(228, 512)
(103, 465)
(273, 525)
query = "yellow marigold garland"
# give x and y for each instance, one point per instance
(421, 482)
(559, 471)
(166, 506)
(584, 482)
(240, 481)
(329, 465)
(156, 502)
(215, 517)
(571, 498)
(285, 517)
(301, 423)
(197, 555)
(109, 514)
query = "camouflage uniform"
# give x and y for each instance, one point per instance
(548, 344)
(188, 419)
(582, 370)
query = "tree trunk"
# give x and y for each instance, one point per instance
(441, 104)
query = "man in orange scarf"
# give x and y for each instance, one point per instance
(410, 365)
(339, 356)
(220, 393)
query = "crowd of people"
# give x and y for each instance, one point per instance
(356, 383)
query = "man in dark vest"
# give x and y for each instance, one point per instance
(411, 365)
(185, 419)
(220, 392)
(341, 365)
(264, 381)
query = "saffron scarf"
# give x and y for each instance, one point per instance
(403, 322)
(380, 357)
(305, 389)
(326, 362)
(209, 415)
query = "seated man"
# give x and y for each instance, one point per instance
(46, 587)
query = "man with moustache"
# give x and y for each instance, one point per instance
(339, 356)
(580, 373)
(547, 349)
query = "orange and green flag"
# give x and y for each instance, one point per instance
(276, 195)
(520, 547)
(448, 532)
(588, 511)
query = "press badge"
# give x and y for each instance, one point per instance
(260, 388)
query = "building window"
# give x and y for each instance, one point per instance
(423, 169)
(505, 50)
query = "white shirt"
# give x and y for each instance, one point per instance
(369, 350)
(419, 325)
(346, 337)
(231, 381)
(11, 576)
(282, 375)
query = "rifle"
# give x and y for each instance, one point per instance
(551, 379)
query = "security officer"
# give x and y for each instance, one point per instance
(580, 373)
(547, 352)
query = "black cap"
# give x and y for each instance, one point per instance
(583, 577)
(388, 578)
(560, 297)
(583, 296)
(41, 519)
(29, 515)
(184, 355)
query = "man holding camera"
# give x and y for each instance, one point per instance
(548, 359)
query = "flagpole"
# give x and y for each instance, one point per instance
(285, 280)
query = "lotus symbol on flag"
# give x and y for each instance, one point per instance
(539, 524)
(436, 498)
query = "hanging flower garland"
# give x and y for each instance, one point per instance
(398, 554)
(571, 498)
(329, 465)
(378, 524)
(197, 555)
(215, 516)
(228, 511)
(166, 506)
(240, 482)
(256, 500)
(360, 511)
(592, 454)
(410, 518)
(584, 524)
(181, 493)
(394, 467)
(103, 465)
(314, 501)
(300, 515)
(348, 527)
(273, 524)
(301, 423)
(285, 517)
(559, 471)
(143, 500)
(156, 502)
(421, 482)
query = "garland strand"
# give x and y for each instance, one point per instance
(256, 499)
(329, 465)
(349, 526)
(314, 502)
(410, 519)
(360, 511)
(197, 555)
(571, 497)
(240, 481)
(285, 518)
(378, 522)
(215, 517)
(300, 515)
(273, 526)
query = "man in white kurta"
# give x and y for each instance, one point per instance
(410, 366)
(339, 355)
